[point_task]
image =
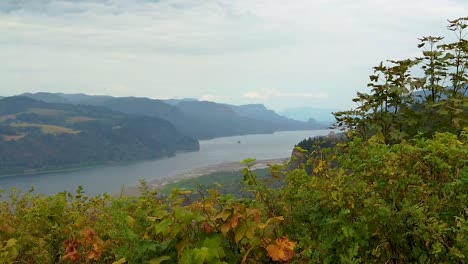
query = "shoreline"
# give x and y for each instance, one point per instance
(134, 190)
(78, 167)
(47, 171)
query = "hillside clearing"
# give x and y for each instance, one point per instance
(48, 129)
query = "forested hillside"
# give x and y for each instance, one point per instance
(394, 190)
(35, 136)
(198, 119)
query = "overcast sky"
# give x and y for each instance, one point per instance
(280, 53)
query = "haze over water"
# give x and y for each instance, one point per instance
(111, 179)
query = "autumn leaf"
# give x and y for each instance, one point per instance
(95, 253)
(274, 220)
(88, 235)
(225, 228)
(7, 229)
(234, 220)
(256, 214)
(71, 251)
(205, 226)
(223, 215)
(282, 250)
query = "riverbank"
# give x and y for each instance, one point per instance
(197, 172)
(70, 168)
(80, 167)
(110, 179)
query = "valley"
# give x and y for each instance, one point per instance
(57, 132)
(214, 155)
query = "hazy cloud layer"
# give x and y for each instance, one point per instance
(269, 94)
(315, 52)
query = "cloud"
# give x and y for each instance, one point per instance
(213, 98)
(215, 49)
(256, 96)
(265, 95)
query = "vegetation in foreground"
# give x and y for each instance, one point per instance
(385, 203)
(396, 191)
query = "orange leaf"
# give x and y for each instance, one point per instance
(7, 229)
(257, 216)
(234, 220)
(71, 251)
(205, 226)
(255, 213)
(94, 253)
(88, 235)
(225, 228)
(282, 250)
(71, 256)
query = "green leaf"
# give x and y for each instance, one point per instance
(159, 260)
(240, 232)
(163, 227)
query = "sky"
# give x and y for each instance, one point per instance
(284, 54)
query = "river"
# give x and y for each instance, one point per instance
(112, 178)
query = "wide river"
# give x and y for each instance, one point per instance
(112, 178)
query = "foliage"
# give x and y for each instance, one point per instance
(398, 203)
(66, 228)
(378, 197)
(383, 204)
(401, 104)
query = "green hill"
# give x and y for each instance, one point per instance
(35, 135)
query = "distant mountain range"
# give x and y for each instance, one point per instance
(50, 131)
(197, 119)
(35, 135)
(320, 115)
(176, 101)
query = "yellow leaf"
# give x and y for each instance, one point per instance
(130, 221)
(120, 261)
(223, 215)
(239, 233)
(11, 242)
(185, 192)
(274, 220)
(250, 234)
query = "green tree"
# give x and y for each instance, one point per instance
(401, 104)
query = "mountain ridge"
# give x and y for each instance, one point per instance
(198, 119)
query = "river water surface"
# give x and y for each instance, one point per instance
(112, 178)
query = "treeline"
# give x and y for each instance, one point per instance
(402, 104)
